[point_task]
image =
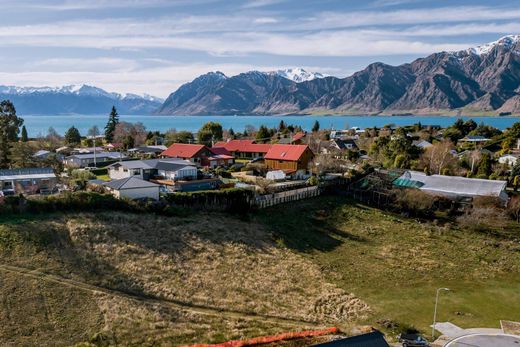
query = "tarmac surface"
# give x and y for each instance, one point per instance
(485, 340)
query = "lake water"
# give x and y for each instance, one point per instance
(37, 125)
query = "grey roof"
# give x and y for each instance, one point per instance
(373, 339)
(41, 152)
(149, 149)
(454, 185)
(26, 171)
(474, 138)
(112, 155)
(342, 144)
(422, 143)
(167, 164)
(129, 183)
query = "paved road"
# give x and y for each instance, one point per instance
(483, 340)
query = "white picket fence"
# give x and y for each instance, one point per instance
(264, 201)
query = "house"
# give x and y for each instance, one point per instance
(151, 151)
(28, 181)
(422, 144)
(42, 154)
(453, 187)
(474, 139)
(289, 158)
(167, 168)
(84, 160)
(373, 339)
(86, 150)
(244, 149)
(296, 139)
(508, 159)
(199, 154)
(133, 188)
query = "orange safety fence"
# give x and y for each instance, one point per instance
(270, 339)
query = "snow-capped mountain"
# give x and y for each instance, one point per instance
(506, 42)
(484, 78)
(78, 99)
(298, 74)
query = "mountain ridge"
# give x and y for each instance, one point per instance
(76, 99)
(485, 78)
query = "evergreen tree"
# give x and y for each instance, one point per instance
(231, 133)
(263, 134)
(209, 132)
(9, 128)
(110, 128)
(282, 126)
(25, 138)
(316, 127)
(72, 136)
(484, 167)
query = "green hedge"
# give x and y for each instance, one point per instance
(233, 200)
(85, 201)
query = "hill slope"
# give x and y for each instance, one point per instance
(484, 78)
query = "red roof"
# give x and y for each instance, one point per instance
(286, 152)
(182, 150)
(220, 151)
(298, 136)
(245, 146)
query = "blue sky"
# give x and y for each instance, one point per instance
(153, 46)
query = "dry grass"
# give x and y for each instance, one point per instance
(217, 262)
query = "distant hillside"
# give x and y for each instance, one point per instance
(76, 100)
(480, 79)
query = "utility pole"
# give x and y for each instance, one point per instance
(435, 311)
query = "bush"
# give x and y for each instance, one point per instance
(416, 202)
(233, 200)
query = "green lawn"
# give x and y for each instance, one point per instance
(395, 264)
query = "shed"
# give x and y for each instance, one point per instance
(133, 188)
(453, 187)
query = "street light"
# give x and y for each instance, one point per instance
(435, 310)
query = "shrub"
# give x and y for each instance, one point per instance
(415, 202)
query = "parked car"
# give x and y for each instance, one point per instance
(413, 340)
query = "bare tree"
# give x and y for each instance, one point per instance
(439, 157)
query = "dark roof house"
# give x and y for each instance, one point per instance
(373, 339)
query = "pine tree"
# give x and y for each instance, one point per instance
(9, 128)
(316, 127)
(72, 136)
(25, 138)
(263, 134)
(110, 128)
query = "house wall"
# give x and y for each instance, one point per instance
(28, 186)
(301, 164)
(184, 173)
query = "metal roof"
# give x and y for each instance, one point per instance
(27, 173)
(129, 183)
(451, 185)
(373, 339)
(167, 164)
(113, 155)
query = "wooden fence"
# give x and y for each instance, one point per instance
(264, 201)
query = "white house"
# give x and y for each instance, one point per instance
(133, 188)
(168, 168)
(509, 159)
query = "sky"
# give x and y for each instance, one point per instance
(154, 46)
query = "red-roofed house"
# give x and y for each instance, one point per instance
(199, 154)
(289, 158)
(298, 138)
(244, 148)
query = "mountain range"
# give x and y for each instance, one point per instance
(76, 99)
(480, 79)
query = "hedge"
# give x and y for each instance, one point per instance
(85, 201)
(233, 199)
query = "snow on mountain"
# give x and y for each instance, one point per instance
(298, 74)
(507, 42)
(76, 89)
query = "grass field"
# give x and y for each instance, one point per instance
(145, 280)
(395, 264)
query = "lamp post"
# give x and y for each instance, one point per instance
(435, 310)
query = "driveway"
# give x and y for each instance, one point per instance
(486, 340)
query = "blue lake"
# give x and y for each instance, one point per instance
(37, 125)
